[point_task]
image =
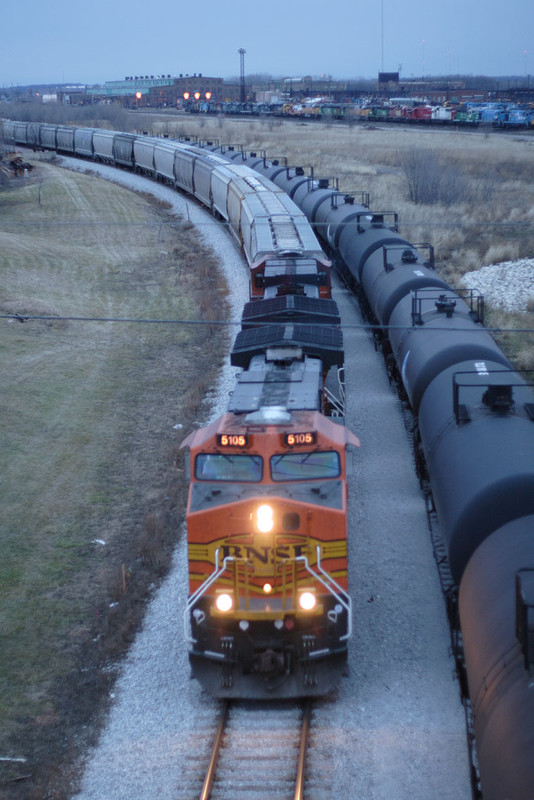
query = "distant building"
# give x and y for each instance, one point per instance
(192, 88)
(164, 90)
(387, 79)
(129, 87)
(71, 95)
(440, 91)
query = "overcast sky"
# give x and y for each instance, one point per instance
(59, 41)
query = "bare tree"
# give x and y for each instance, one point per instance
(429, 179)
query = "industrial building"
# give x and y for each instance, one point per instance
(162, 91)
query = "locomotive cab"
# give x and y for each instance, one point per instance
(268, 611)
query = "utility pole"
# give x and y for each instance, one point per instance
(382, 31)
(243, 94)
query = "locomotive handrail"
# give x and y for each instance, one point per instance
(337, 403)
(199, 592)
(331, 586)
(337, 592)
(334, 402)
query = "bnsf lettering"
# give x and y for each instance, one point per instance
(256, 555)
(232, 550)
(265, 555)
(290, 551)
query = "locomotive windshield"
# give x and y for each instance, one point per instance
(228, 467)
(305, 466)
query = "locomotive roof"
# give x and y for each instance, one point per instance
(336, 435)
(293, 386)
(291, 307)
(320, 341)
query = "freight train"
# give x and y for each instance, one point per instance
(474, 435)
(268, 613)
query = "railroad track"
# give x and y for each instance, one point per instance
(259, 751)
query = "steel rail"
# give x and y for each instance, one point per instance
(301, 763)
(210, 774)
(301, 766)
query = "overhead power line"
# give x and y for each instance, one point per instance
(238, 323)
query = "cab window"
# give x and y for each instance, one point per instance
(228, 467)
(305, 466)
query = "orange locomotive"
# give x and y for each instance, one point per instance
(269, 614)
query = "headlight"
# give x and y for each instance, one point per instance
(224, 602)
(264, 519)
(307, 601)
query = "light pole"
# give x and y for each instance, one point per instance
(423, 75)
(382, 32)
(242, 94)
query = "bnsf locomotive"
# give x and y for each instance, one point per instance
(269, 614)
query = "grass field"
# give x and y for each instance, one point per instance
(90, 495)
